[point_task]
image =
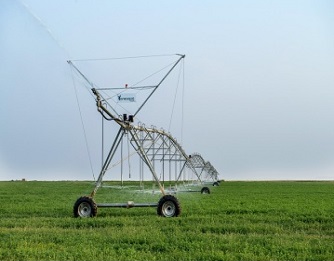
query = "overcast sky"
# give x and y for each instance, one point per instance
(258, 90)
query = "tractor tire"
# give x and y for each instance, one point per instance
(205, 190)
(169, 206)
(85, 207)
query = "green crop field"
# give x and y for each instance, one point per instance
(237, 221)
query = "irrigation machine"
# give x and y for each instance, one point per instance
(158, 151)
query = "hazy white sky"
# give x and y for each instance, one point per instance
(259, 82)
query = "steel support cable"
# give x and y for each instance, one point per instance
(76, 72)
(122, 58)
(149, 76)
(70, 62)
(110, 97)
(91, 86)
(161, 81)
(133, 86)
(83, 126)
(129, 88)
(154, 89)
(183, 94)
(175, 95)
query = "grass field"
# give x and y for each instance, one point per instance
(237, 221)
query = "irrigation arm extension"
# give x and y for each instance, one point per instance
(182, 56)
(70, 63)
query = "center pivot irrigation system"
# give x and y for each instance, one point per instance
(159, 153)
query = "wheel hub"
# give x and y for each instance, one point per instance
(168, 209)
(84, 209)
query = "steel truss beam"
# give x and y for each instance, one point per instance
(206, 170)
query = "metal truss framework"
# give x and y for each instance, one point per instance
(205, 169)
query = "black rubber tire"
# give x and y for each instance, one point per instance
(215, 184)
(85, 207)
(205, 190)
(169, 206)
